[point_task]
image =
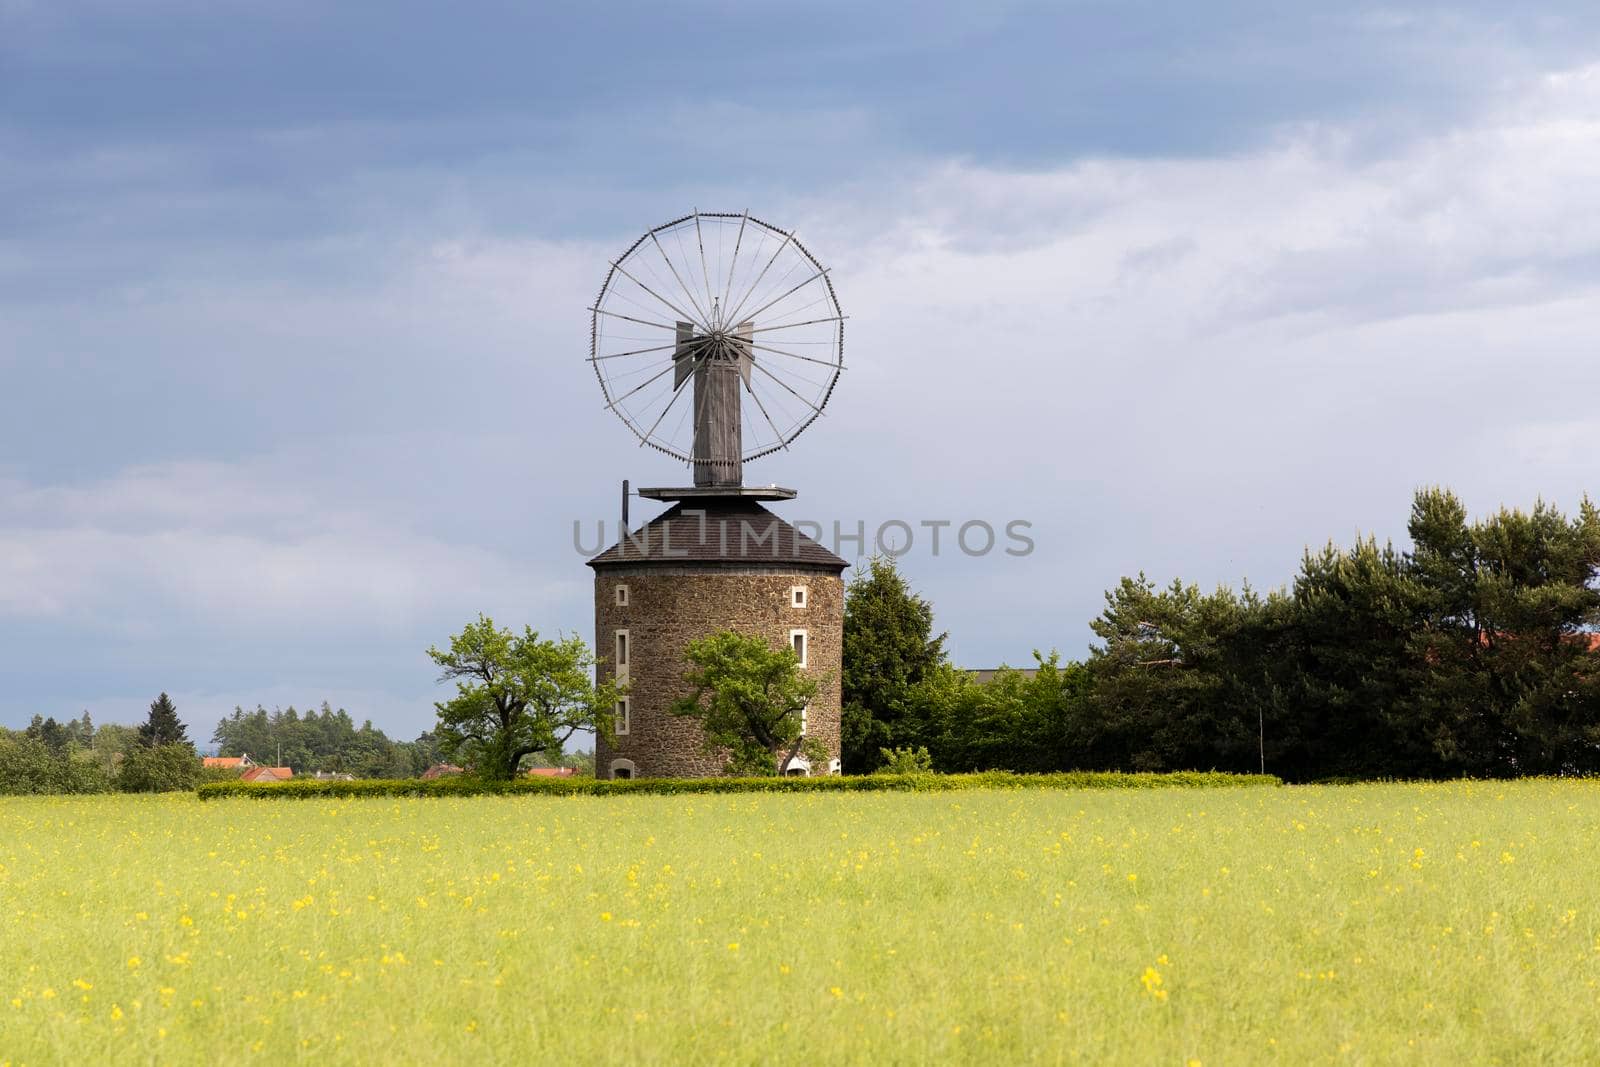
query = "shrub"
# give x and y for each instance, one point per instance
(923, 783)
(160, 769)
(27, 766)
(905, 761)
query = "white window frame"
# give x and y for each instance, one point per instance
(622, 595)
(623, 765)
(805, 645)
(804, 709)
(621, 655)
(798, 597)
(799, 763)
(624, 717)
(834, 766)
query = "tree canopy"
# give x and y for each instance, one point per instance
(517, 695)
(321, 740)
(163, 726)
(748, 697)
(889, 649)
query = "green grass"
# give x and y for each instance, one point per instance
(1351, 924)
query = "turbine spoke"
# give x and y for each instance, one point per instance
(630, 318)
(792, 325)
(785, 386)
(796, 355)
(686, 290)
(733, 316)
(727, 289)
(754, 314)
(657, 295)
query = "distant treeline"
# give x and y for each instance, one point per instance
(75, 756)
(322, 740)
(1473, 653)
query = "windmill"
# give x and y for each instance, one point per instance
(717, 339)
(733, 311)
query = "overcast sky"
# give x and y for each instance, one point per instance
(292, 305)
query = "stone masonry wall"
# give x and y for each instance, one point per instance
(667, 610)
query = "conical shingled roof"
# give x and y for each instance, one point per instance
(725, 531)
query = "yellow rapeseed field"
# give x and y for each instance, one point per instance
(1442, 923)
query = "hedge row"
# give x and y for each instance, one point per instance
(871, 783)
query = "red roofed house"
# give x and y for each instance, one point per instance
(440, 770)
(267, 774)
(229, 763)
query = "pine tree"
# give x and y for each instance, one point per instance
(163, 726)
(889, 647)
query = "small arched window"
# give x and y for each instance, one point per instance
(833, 766)
(797, 767)
(622, 768)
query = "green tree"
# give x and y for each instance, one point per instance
(1507, 680)
(1019, 721)
(748, 698)
(163, 726)
(1176, 683)
(516, 695)
(1348, 671)
(28, 766)
(112, 742)
(52, 734)
(159, 769)
(889, 648)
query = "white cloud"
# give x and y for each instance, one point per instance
(232, 546)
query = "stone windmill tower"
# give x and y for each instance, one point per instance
(737, 315)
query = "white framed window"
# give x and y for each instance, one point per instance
(623, 716)
(833, 766)
(620, 663)
(797, 767)
(622, 768)
(797, 641)
(803, 711)
(797, 596)
(622, 596)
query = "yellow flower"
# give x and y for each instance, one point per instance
(1152, 981)
(133, 961)
(81, 984)
(116, 1011)
(733, 946)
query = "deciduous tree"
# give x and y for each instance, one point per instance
(748, 697)
(516, 694)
